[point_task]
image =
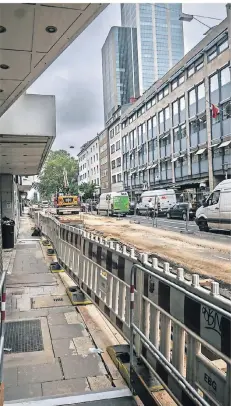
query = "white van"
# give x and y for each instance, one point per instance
(165, 199)
(216, 210)
(113, 203)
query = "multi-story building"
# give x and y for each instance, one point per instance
(89, 170)
(159, 37)
(115, 147)
(104, 160)
(120, 69)
(170, 136)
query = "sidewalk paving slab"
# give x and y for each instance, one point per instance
(64, 347)
(23, 391)
(98, 383)
(56, 319)
(65, 387)
(39, 373)
(10, 376)
(82, 366)
(70, 331)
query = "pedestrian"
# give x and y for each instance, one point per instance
(150, 208)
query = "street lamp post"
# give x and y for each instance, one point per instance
(189, 17)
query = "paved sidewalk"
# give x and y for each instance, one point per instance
(47, 341)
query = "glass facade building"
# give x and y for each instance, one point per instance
(120, 69)
(159, 38)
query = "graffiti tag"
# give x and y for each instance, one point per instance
(213, 319)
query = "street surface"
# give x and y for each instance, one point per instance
(207, 254)
(180, 226)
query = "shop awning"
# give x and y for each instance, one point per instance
(200, 151)
(225, 144)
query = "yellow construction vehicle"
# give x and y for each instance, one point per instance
(64, 202)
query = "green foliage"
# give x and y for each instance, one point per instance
(51, 176)
(88, 189)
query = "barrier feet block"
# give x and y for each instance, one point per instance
(50, 251)
(76, 296)
(120, 355)
(45, 242)
(55, 267)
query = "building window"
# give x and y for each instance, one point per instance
(182, 103)
(149, 105)
(199, 63)
(192, 97)
(213, 83)
(221, 46)
(181, 79)
(224, 45)
(201, 91)
(117, 145)
(161, 117)
(112, 149)
(114, 179)
(174, 84)
(139, 113)
(166, 113)
(117, 129)
(225, 76)
(212, 53)
(191, 70)
(166, 91)
(112, 133)
(153, 101)
(226, 108)
(113, 165)
(160, 95)
(119, 179)
(118, 162)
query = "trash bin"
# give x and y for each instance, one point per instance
(7, 233)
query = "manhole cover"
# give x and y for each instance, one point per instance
(24, 336)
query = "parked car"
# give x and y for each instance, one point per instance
(179, 211)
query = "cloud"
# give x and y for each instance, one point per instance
(75, 78)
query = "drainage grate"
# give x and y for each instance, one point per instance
(24, 336)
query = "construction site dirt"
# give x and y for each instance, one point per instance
(208, 258)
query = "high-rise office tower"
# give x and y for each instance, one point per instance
(120, 69)
(159, 37)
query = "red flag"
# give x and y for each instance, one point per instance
(215, 111)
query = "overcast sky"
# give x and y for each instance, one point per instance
(75, 78)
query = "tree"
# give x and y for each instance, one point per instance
(51, 177)
(88, 189)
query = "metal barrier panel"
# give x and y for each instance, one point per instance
(182, 331)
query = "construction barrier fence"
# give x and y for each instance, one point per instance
(179, 329)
